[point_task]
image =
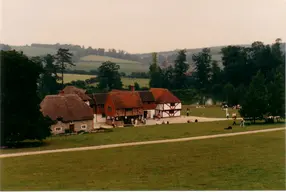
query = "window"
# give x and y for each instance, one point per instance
(103, 115)
(101, 106)
(58, 129)
(84, 126)
(128, 109)
(172, 104)
(171, 111)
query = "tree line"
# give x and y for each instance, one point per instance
(251, 76)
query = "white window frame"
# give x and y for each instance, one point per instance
(58, 128)
(85, 125)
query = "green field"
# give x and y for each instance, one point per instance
(87, 63)
(146, 133)
(98, 58)
(245, 162)
(125, 80)
(124, 67)
(212, 111)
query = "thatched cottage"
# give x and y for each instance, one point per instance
(69, 111)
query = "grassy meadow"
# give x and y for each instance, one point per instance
(126, 67)
(245, 162)
(209, 111)
(125, 80)
(144, 133)
(89, 62)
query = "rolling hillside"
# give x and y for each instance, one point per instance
(86, 63)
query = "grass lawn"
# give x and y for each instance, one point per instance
(147, 133)
(246, 162)
(208, 111)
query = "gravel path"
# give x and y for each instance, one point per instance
(137, 143)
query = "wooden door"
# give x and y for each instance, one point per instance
(71, 128)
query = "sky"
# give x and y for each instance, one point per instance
(139, 26)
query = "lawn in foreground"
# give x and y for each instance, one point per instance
(216, 112)
(246, 162)
(147, 133)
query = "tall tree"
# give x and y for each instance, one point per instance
(48, 79)
(109, 76)
(202, 62)
(63, 60)
(21, 118)
(255, 103)
(237, 70)
(276, 91)
(155, 72)
(180, 69)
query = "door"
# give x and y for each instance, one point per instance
(71, 128)
(145, 114)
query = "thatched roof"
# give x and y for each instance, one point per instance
(74, 90)
(69, 107)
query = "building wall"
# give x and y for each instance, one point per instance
(151, 113)
(109, 107)
(99, 118)
(77, 126)
(165, 113)
(167, 106)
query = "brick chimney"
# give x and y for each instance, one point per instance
(132, 88)
(62, 92)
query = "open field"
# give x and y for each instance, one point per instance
(246, 162)
(74, 77)
(146, 133)
(125, 80)
(211, 111)
(124, 67)
(98, 58)
(87, 63)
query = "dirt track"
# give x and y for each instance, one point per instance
(137, 143)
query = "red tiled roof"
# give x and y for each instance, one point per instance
(126, 99)
(164, 96)
(147, 106)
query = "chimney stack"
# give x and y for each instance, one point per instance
(132, 88)
(62, 92)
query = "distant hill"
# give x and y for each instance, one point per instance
(34, 51)
(89, 58)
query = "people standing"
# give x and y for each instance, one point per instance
(188, 111)
(242, 123)
(234, 118)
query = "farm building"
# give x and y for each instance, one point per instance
(69, 112)
(97, 103)
(80, 92)
(149, 104)
(168, 105)
(122, 106)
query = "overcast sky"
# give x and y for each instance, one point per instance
(142, 25)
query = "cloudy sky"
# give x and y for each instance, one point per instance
(142, 25)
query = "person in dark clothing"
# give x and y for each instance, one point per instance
(188, 111)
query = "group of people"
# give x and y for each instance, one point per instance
(234, 119)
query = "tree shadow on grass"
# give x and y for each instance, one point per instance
(25, 144)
